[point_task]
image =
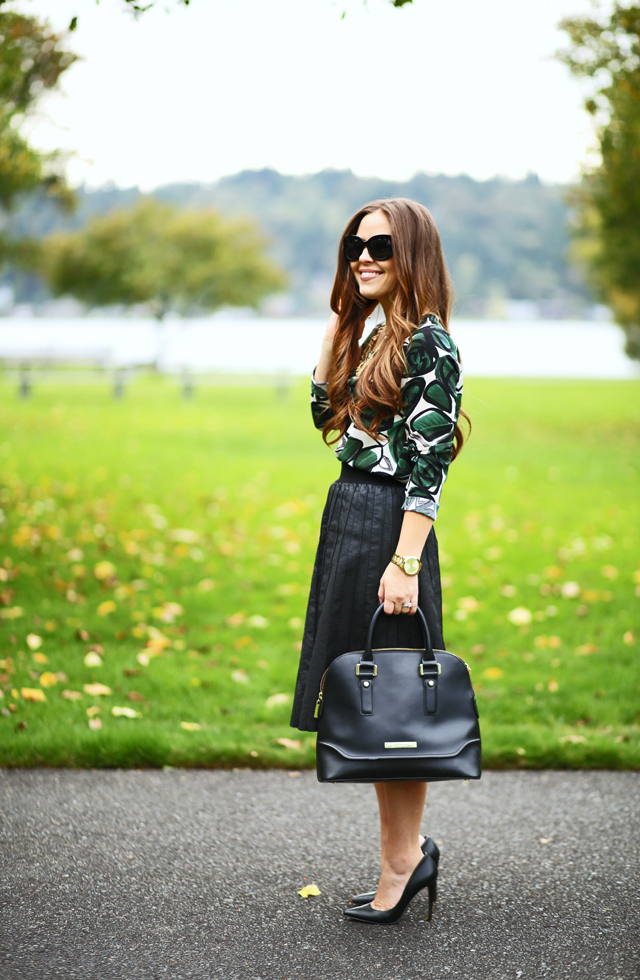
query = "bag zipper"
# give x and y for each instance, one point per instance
(318, 708)
(316, 713)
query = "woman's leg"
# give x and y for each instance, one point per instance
(401, 805)
(384, 823)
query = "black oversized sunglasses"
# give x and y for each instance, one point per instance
(379, 247)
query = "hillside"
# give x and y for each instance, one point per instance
(504, 239)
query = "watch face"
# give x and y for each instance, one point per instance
(411, 566)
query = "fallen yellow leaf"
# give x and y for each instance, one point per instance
(493, 673)
(277, 699)
(258, 621)
(240, 676)
(168, 611)
(106, 607)
(242, 641)
(309, 890)
(572, 738)
(520, 616)
(570, 590)
(96, 690)
(190, 726)
(71, 695)
(289, 743)
(32, 694)
(93, 659)
(104, 570)
(586, 649)
(95, 724)
(34, 641)
(94, 710)
(12, 612)
(118, 712)
(48, 679)
(40, 658)
(469, 603)
(236, 620)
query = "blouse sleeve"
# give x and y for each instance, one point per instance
(432, 394)
(320, 407)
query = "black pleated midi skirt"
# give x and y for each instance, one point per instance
(359, 533)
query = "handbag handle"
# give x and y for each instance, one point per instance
(427, 657)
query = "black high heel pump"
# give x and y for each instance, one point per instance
(429, 847)
(424, 876)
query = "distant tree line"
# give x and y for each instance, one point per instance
(504, 239)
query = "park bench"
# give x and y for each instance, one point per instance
(73, 367)
(64, 367)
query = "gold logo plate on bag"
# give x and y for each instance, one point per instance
(401, 745)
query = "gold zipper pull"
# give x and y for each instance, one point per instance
(467, 666)
(316, 713)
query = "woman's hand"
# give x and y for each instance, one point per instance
(326, 352)
(397, 589)
(330, 332)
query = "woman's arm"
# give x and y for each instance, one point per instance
(432, 395)
(320, 407)
(396, 587)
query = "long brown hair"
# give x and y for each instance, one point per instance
(423, 286)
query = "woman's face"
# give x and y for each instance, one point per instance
(376, 278)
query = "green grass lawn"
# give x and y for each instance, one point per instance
(163, 549)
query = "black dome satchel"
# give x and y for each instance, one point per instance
(397, 714)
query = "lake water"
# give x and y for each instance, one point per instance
(234, 344)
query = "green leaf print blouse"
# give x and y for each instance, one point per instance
(414, 446)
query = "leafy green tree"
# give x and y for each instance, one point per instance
(32, 59)
(139, 7)
(606, 50)
(165, 257)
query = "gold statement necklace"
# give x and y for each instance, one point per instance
(370, 348)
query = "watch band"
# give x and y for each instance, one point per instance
(407, 560)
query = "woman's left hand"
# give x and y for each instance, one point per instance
(397, 590)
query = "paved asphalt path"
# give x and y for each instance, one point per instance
(149, 874)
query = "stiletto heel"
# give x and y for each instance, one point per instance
(432, 897)
(429, 847)
(423, 876)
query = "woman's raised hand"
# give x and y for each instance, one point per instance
(330, 332)
(324, 361)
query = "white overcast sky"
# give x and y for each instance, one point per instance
(452, 86)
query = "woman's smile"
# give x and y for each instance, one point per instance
(368, 275)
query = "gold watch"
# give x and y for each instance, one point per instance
(409, 565)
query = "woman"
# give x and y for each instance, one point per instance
(394, 403)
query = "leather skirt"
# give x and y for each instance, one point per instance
(359, 533)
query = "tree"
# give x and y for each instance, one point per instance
(139, 7)
(32, 59)
(167, 258)
(606, 50)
